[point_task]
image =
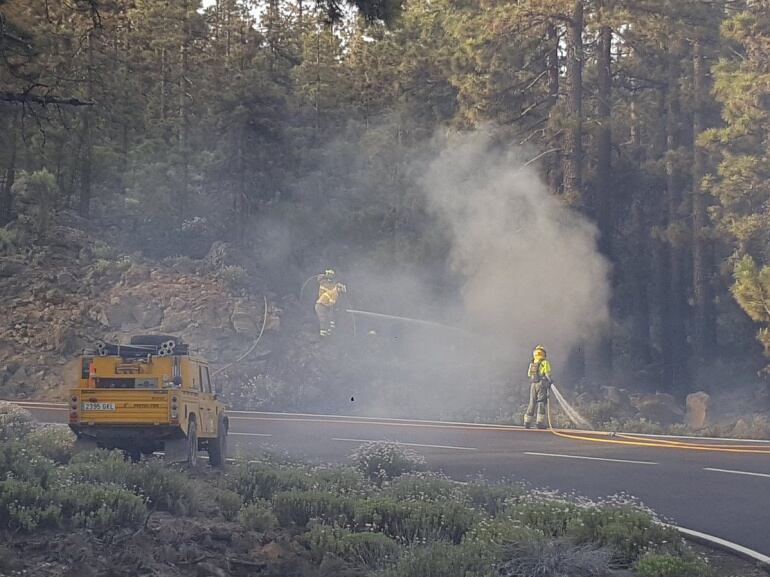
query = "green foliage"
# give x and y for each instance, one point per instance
(550, 516)
(100, 507)
(381, 461)
(425, 488)
(164, 488)
(8, 240)
(492, 498)
(229, 503)
(27, 506)
(752, 288)
(19, 460)
(446, 560)
(372, 550)
(257, 516)
(15, 422)
(555, 558)
(53, 442)
(415, 521)
(501, 531)
(255, 481)
(627, 531)
(665, 565)
(299, 507)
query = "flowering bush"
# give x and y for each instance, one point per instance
(15, 422)
(654, 565)
(53, 442)
(382, 461)
(258, 516)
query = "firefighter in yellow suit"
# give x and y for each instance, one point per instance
(540, 384)
(328, 292)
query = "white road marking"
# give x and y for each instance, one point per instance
(589, 458)
(250, 434)
(407, 444)
(729, 545)
(737, 472)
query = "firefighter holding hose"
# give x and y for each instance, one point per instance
(329, 291)
(540, 384)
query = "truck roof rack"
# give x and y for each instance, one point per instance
(165, 349)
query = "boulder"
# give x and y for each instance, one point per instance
(148, 314)
(659, 408)
(136, 274)
(64, 340)
(616, 396)
(697, 416)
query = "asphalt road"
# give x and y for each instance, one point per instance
(721, 493)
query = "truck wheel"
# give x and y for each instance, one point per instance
(192, 444)
(218, 446)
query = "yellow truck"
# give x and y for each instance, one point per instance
(150, 395)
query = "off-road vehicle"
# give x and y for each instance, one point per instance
(150, 395)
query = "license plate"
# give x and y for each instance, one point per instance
(98, 406)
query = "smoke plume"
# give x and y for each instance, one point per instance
(529, 267)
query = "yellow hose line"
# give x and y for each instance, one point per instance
(699, 444)
(660, 444)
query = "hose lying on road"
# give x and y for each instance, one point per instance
(637, 441)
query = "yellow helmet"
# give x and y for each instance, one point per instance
(329, 273)
(539, 352)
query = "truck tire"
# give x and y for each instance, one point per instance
(192, 443)
(153, 340)
(218, 447)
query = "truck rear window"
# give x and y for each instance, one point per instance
(125, 383)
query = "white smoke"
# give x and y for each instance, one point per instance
(530, 267)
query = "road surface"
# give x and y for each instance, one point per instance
(717, 492)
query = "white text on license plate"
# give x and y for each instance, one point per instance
(98, 406)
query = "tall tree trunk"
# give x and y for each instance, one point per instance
(603, 201)
(86, 166)
(573, 139)
(552, 63)
(640, 273)
(675, 357)
(184, 120)
(6, 194)
(704, 325)
(573, 142)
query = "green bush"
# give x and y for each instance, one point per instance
(442, 559)
(550, 516)
(54, 442)
(382, 461)
(8, 239)
(255, 481)
(257, 516)
(628, 530)
(414, 521)
(20, 461)
(15, 422)
(492, 498)
(554, 558)
(655, 565)
(425, 488)
(372, 550)
(343, 481)
(298, 507)
(164, 488)
(501, 531)
(26, 506)
(229, 503)
(100, 507)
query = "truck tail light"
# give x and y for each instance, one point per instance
(174, 410)
(74, 407)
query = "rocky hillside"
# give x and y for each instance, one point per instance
(73, 290)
